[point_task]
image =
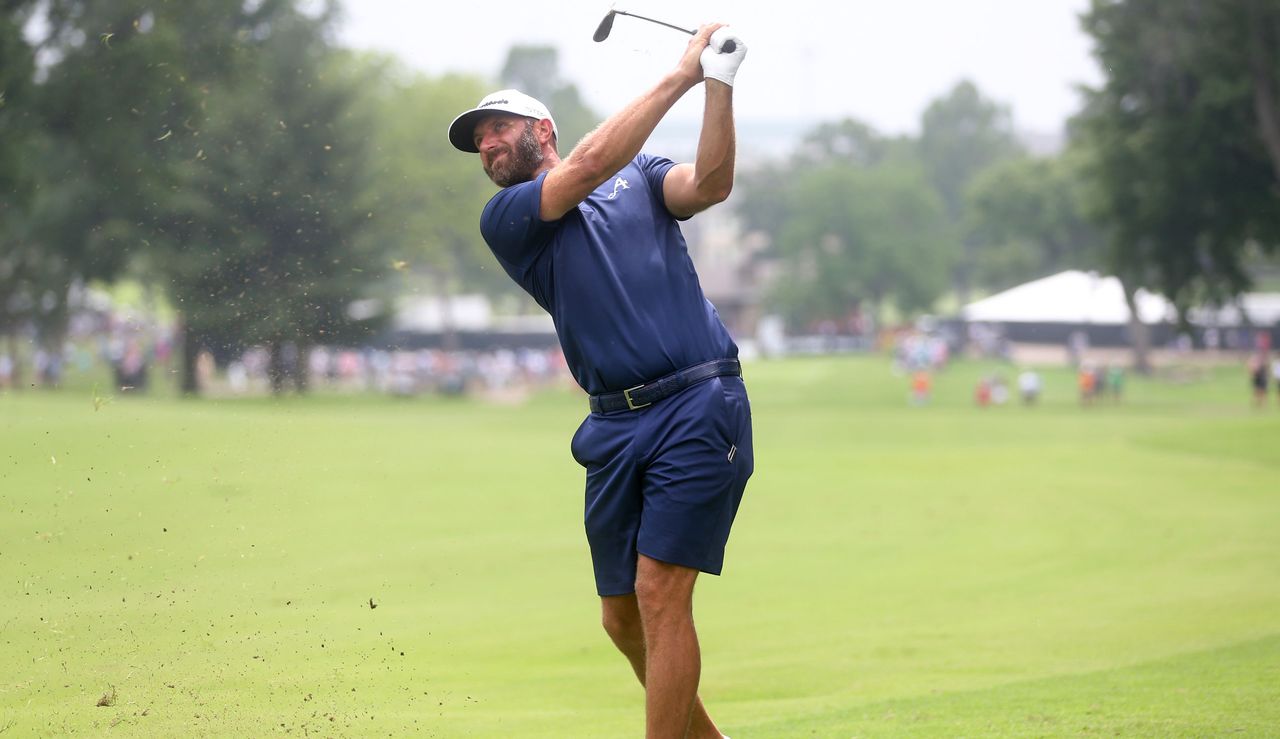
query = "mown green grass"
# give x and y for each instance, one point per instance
(895, 571)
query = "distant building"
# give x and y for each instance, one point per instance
(728, 267)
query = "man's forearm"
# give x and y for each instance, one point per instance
(717, 143)
(618, 140)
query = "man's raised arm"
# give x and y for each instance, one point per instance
(690, 188)
(617, 141)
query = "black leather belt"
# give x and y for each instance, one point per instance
(641, 396)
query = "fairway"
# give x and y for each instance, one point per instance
(351, 566)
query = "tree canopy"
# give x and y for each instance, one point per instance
(211, 145)
(230, 154)
(1026, 218)
(854, 222)
(962, 134)
(1185, 141)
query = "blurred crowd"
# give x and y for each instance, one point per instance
(915, 351)
(1262, 370)
(1097, 383)
(139, 351)
(397, 372)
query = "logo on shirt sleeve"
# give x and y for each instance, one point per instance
(619, 184)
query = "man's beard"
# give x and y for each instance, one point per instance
(521, 163)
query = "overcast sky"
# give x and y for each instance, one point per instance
(881, 62)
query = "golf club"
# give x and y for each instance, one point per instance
(606, 25)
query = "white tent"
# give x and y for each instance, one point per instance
(1071, 297)
(1261, 309)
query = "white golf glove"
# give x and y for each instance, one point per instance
(718, 65)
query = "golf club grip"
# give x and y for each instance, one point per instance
(728, 47)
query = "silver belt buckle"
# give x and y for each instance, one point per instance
(631, 406)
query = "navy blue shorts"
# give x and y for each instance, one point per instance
(665, 481)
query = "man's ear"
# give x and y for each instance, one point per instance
(544, 131)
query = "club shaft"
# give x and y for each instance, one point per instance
(655, 20)
(606, 25)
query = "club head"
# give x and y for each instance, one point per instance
(606, 25)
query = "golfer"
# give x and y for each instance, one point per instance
(667, 446)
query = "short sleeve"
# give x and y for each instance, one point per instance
(655, 170)
(511, 225)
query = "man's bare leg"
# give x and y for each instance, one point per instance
(662, 615)
(622, 622)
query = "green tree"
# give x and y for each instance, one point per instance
(428, 194)
(855, 223)
(848, 142)
(21, 272)
(17, 66)
(1027, 218)
(127, 97)
(867, 238)
(1185, 132)
(122, 91)
(962, 134)
(215, 142)
(43, 252)
(265, 243)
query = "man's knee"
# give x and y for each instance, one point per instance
(663, 588)
(620, 617)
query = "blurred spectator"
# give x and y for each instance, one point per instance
(48, 366)
(1087, 383)
(1029, 386)
(6, 371)
(1077, 345)
(828, 330)
(1275, 376)
(238, 377)
(857, 323)
(205, 367)
(163, 349)
(921, 387)
(989, 340)
(131, 368)
(1115, 382)
(319, 364)
(915, 351)
(982, 393)
(999, 390)
(1212, 339)
(1258, 378)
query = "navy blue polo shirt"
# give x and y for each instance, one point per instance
(615, 275)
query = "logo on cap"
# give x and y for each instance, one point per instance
(511, 101)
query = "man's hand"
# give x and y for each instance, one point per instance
(718, 65)
(690, 68)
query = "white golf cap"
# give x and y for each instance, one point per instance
(463, 129)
